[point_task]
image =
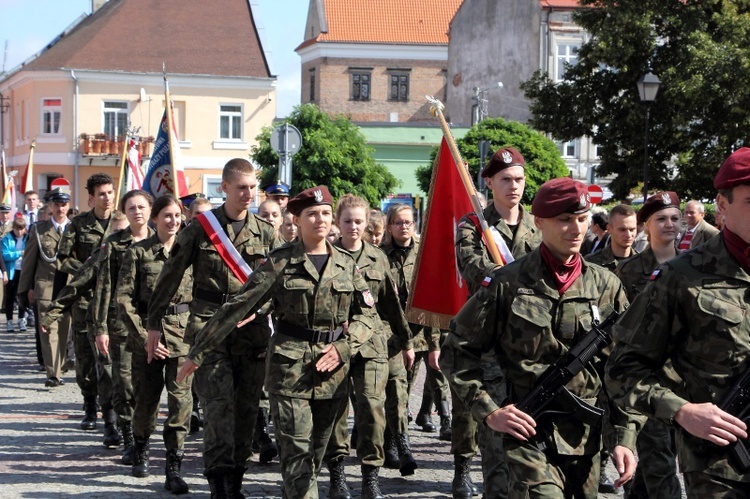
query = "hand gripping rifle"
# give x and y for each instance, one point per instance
(737, 403)
(551, 384)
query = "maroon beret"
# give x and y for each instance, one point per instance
(502, 159)
(657, 202)
(735, 170)
(309, 197)
(560, 195)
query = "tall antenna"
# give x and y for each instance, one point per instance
(5, 57)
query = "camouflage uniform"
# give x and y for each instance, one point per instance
(230, 382)
(519, 314)
(304, 402)
(139, 271)
(474, 263)
(693, 313)
(605, 258)
(635, 272)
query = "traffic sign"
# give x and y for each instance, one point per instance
(596, 194)
(60, 183)
(286, 141)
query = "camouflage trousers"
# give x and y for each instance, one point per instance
(148, 381)
(397, 396)
(123, 399)
(434, 382)
(86, 365)
(229, 388)
(535, 474)
(704, 486)
(494, 468)
(656, 474)
(303, 430)
(369, 379)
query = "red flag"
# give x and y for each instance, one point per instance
(438, 291)
(27, 181)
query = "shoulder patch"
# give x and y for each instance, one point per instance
(487, 281)
(655, 275)
(369, 300)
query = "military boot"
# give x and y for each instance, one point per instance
(407, 464)
(112, 436)
(126, 429)
(140, 457)
(424, 416)
(220, 483)
(174, 481)
(370, 485)
(391, 453)
(266, 446)
(339, 489)
(235, 483)
(461, 487)
(89, 407)
(446, 433)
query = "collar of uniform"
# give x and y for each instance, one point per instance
(298, 257)
(648, 261)
(92, 222)
(525, 221)
(714, 258)
(249, 228)
(539, 277)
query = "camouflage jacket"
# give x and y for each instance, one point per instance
(694, 314)
(605, 258)
(136, 283)
(374, 267)
(211, 275)
(104, 305)
(402, 263)
(635, 272)
(473, 259)
(303, 298)
(520, 315)
(82, 284)
(40, 262)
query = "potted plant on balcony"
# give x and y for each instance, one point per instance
(86, 143)
(98, 145)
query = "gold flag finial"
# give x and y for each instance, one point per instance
(436, 107)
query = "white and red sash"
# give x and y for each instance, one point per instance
(224, 246)
(502, 246)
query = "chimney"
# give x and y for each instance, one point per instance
(96, 4)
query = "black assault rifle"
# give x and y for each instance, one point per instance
(551, 384)
(737, 403)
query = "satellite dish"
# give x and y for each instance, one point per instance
(143, 97)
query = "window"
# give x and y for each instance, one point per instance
(51, 112)
(312, 85)
(361, 85)
(399, 86)
(115, 118)
(566, 54)
(230, 122)
(568, 149)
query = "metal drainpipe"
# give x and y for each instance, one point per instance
(75, 138)
(544, 41)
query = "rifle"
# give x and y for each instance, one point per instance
(551, 384)
(737, 403)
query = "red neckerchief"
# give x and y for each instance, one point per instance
(738, 248)
(564, 274)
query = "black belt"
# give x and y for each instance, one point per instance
(310, 335)
(212, 296)
(178, 309)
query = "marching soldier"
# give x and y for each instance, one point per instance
(622, 228)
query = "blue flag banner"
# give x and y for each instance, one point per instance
(158, 179)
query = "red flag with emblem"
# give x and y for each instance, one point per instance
(438, 291)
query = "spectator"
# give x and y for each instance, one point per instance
(13, 244)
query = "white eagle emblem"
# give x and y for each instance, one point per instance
(318, 195)
(584, 201)
(507, 157)
(666, 198)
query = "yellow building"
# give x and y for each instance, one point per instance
(103, 75)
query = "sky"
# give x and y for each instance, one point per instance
(29, 25)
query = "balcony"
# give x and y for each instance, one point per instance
(100, 145)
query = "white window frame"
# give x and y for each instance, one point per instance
(125, 110)
(564, 146)
(231, 115)
(50, 109)
(571, 54)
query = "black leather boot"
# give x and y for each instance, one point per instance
(266, 447)
(407, 464)
(89, 408)
(140, 457)
(220, 483)
(424, 416)
(339, 489)
(391, 453)
(370, 485)
(235, 483)
(446, 433)
(128, 449)
(174, 481)
(112, 436)
(461, 487)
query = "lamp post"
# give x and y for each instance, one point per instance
(648, 87)
(4, 108)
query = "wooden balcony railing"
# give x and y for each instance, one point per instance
(100, 144)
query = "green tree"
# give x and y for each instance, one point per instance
(333, 153)
(700, 51)
(543, 160)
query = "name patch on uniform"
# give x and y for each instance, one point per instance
(525, 291)
(654, 275)
(369, 300)
(487, 281)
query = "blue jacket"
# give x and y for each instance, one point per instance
(10, 253)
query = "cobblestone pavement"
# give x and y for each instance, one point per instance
(45, 454)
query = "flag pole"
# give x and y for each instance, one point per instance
(170, 124)
(436, 109)
(123, 161)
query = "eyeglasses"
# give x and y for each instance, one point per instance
(403, 223)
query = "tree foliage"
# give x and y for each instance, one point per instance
(699, 49)
(543, 160)
(334, 153)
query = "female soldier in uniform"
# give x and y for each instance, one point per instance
(156, 359)
(324, 314)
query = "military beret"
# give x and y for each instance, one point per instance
(57, 196)
(561, 195)
(309, 197)
(735, 170)
(277, 189)
(657, 202)
(502, 159)
(4, 208)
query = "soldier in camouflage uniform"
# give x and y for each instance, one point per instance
(369, 368)
(693, 313)
(110, 331)
(324, 314)
(84, 233)
(156, 359)
(230, 383)
(529, 313)
(506, 178)
(622, 228)
(656, 475)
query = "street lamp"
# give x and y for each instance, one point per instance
(648, 87)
